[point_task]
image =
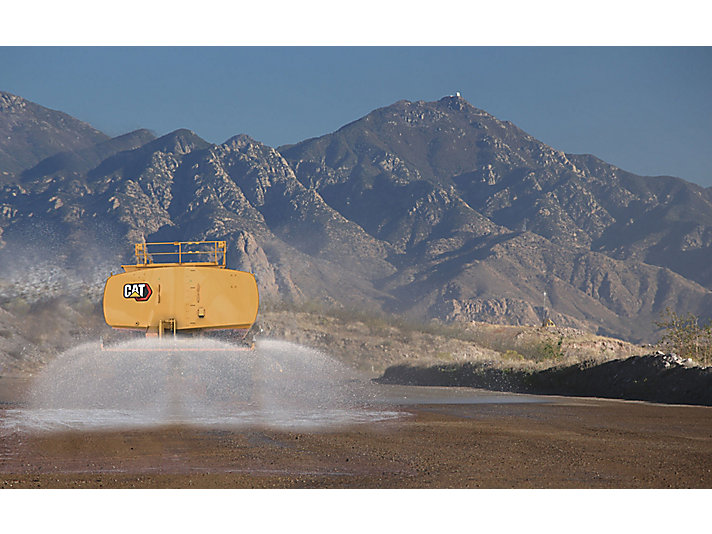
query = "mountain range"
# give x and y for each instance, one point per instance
(431, 210)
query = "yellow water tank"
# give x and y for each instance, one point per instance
(183, 294)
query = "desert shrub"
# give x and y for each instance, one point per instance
(550, 350)
(686, 336)
(512, 355)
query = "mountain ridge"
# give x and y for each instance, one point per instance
(433, 210)
(31, 133)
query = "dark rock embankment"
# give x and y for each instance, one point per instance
(663, 378)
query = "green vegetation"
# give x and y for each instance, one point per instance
(549, 350)
(686, 336)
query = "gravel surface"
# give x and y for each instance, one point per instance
(439, 442)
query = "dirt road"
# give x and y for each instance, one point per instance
(444, 438)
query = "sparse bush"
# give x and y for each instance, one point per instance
(512, 355)
(441, 355)
(549, 350)
(685, 336)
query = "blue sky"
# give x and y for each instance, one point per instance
(645, 109)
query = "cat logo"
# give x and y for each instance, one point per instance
(140, 292)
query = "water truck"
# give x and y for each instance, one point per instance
(181, 288)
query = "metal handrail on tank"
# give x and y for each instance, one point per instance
(216, 250)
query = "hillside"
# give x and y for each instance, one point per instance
(30, 133)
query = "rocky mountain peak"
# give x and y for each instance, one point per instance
(239, 141)
(455, 102)
(181, 141)
(448, 108)
(11, 103)
(141, 133)
(31, 133)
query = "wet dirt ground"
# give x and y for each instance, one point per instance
(443, 438)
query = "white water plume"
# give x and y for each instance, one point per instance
(198, 382)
